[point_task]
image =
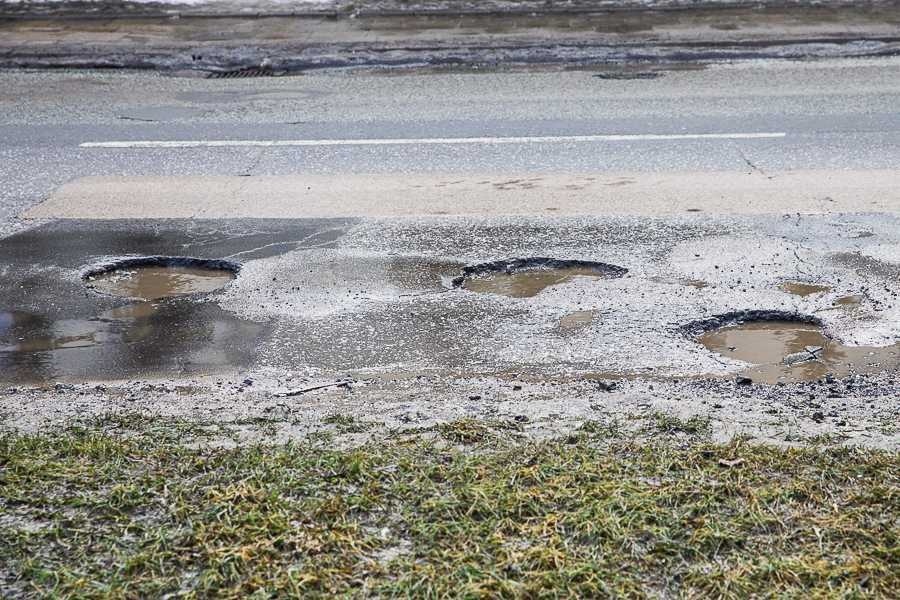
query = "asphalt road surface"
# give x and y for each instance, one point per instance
(771, 116)
(351, 199)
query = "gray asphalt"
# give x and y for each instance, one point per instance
(836, 114)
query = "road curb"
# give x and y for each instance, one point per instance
(337, 9)
(279, 60)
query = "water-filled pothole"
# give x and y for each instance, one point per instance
(527, 277)
(787, 347)
(156, 277)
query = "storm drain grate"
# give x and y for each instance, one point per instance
(243, 73)
(626, 76)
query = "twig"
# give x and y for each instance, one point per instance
(344, 384)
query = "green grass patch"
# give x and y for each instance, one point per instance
(89, 513)
(346, 423)
(666, 423)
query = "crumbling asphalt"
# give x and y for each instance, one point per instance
(369, 304)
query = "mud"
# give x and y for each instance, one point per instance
(577, 320)
(849, 301)
(799, 288)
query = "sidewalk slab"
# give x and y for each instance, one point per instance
(314, 196)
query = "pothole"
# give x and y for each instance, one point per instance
(800, 288)
(157, 277)
(787, 347)
(527, 277)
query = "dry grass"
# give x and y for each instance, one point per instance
(90, 514)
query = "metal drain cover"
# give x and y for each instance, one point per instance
(244, 73)
(630, 75)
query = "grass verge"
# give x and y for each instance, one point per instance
(90, 514)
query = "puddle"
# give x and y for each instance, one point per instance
(849, 301)
(799, 288)
(694, 283)
(576, 321)
(526, 278)
(141, 339)
(525, 284)
(54, 329)
(794, 351)
(159, 277)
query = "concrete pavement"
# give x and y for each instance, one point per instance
(323, 196)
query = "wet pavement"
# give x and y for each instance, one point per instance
(59, 325)
(389, 297)
(372, 304)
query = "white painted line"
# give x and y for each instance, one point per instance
(636, 137)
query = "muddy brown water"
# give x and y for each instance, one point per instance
(575, 321)
(849, 301)
(155, 282)
(686, 281)
(766, 344)
(525, 284)
(799, 288)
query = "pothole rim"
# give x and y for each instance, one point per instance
(511, 266)
(160, 260)
(696, 328)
